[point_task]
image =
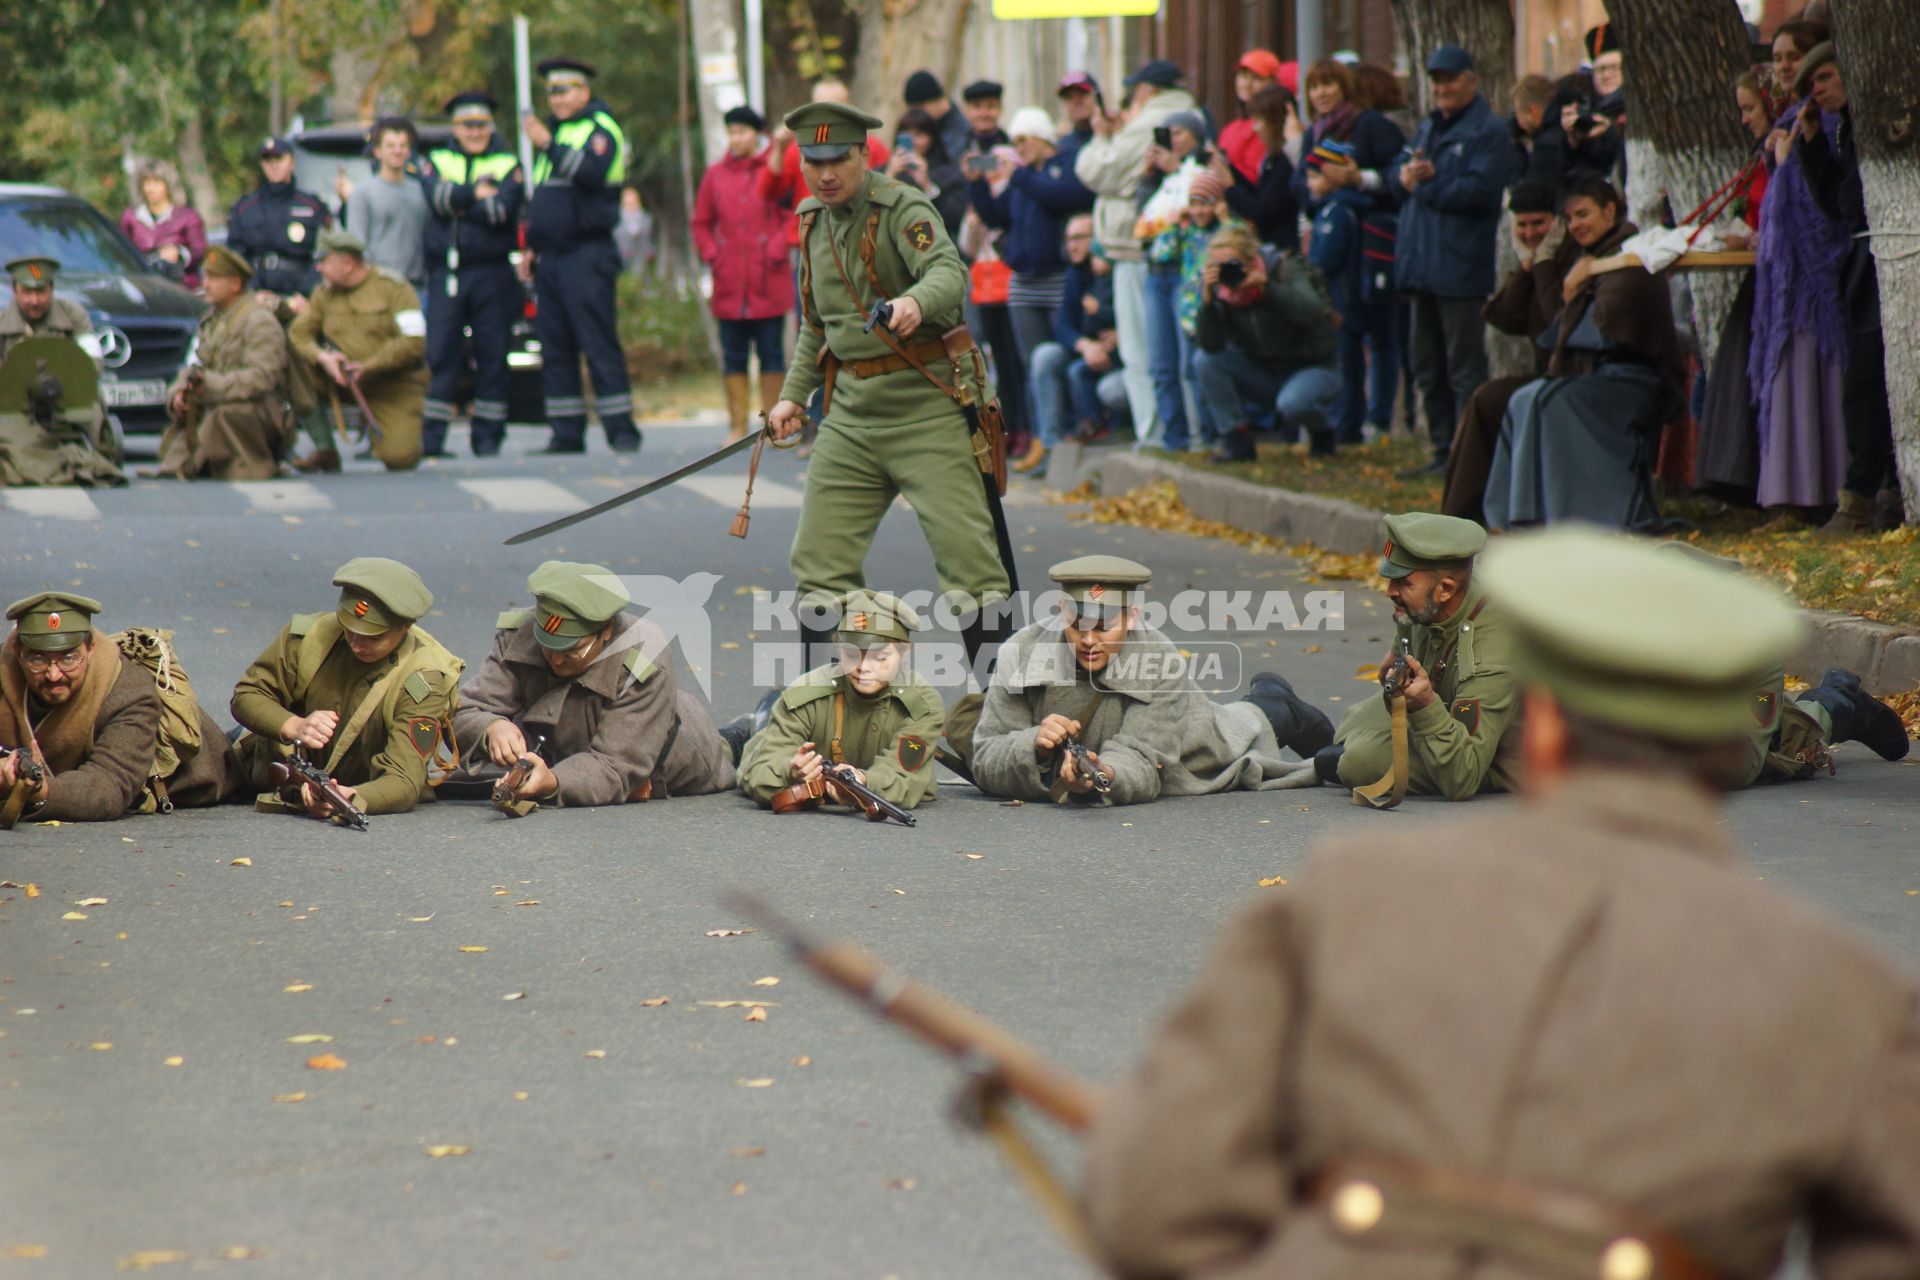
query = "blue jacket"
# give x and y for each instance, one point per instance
(1033, 210)
(1450, 224)
(482, 230)
(574, 189)
(274, 227)
(1336, 251)
(1075, 320)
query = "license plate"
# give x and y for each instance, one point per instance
(133, 395)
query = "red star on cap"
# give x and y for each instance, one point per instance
(53, 622)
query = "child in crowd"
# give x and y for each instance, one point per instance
(1338, 249)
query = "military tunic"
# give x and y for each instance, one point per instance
(64, 319)
(1453, 743)
(30, 455)
(622, 722)
(889, 737)
(1589, 992)
(241, 427)
(379, 325)
(892, 433)
(387, 762)
(1142, 715)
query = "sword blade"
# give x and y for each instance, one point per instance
(620, 500)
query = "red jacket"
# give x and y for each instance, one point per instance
(789, 190)
(1243, 147)
(743, 237)
(181, 226)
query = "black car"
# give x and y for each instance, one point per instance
(322, 153)
(146, 323)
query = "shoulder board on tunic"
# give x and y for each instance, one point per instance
(303, 623)
(918, 698)
(811, 687)
(391, 276)
(513, 619)
(889, 192)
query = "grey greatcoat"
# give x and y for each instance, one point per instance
(1588, 991)
(242, 425)
(1143, 716)
(622, 722)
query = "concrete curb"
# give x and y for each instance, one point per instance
(1886, 658)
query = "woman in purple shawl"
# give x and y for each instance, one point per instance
(1798, 359)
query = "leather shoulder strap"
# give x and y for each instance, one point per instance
(955, 394)
(807, 305)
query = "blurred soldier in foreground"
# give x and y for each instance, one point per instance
(229, 406)
(53, 429)
(1576, 1038)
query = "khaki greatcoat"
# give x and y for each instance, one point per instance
(1590, 990)
(242, 426)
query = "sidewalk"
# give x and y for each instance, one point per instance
(1887, 658)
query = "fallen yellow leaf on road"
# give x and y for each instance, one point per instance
(174, 1061)
(439, 1151)
(328, 1062)
(739, 1188)
(521, 1095)
(148, 1258)
(241, 862)
(239, 1253)
(763, 1082)
(766, 982)
(290, 1097)
(528, 902)
(311, 1037)
(101, 1046)
(902, 1184)
(410, 919)
(756, 1015)
(654, 1002)
(1271, 881)
(802, 1061)
(91, 902)
(737, 1004)
(286, 904)
(711, 933)
(298, 986)
(975, 857)
(747, 1153)
(33, 890)
(596, 1053)
(514, 995)
(74, 915)
(24, 1251)
(473, 950)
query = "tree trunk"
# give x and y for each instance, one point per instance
(1483, 28)
(899, 37)
(716, 58)
(1876, 40)
(1685, 136)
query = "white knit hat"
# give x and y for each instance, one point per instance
(1032, 122)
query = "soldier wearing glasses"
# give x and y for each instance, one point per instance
(474, 192)
(580, 160)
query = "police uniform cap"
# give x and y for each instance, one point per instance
(272, 145)
(1642, 639)
(828, 130)
(565, 71)
(53, 621)
(33, 272)
(339, 240)
(1423, 540)
(377, 595)
(571, 600)
(472, 103)
(222, 261)
(1106, 582)
(872, 618)
(981, 89)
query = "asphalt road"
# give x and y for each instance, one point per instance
(486, 982)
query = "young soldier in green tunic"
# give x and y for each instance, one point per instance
(363, 689)
(889, 430)
(865, 709)
(1461, 695)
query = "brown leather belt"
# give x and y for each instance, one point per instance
(952, 345)
(1561, 1233)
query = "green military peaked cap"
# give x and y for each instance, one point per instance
(1423, 540)
(222, 261)
(34, 273)
(377, 595)
(869, 618)
(1100, 580)
(53, 620)
(1643, 639)
(828, 130)
(339, 240)
(573, 600)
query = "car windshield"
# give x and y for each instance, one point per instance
(68, 231)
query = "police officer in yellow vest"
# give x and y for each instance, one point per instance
(580, 160)
(366, 692)
(474, 192)
(893, 424)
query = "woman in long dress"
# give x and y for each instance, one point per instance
(1571, 442)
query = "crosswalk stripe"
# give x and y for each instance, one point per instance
(726, 490)
(283, 495)
(53, 503)
(522, 494)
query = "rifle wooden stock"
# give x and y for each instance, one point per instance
(950, 1027)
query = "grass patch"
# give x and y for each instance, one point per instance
(662, 329)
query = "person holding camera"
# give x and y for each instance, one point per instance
(1267, 336)
(1595, 122)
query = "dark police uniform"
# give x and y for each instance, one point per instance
(470, 282)
(575, 206)
(274, 227)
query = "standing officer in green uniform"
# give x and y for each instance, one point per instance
(866, 709)
(598, 684)
(580, 160)
(1100, 676)
(366, 690)
(364, 322)
(474, 191)
(889, 429)
(1461, 695)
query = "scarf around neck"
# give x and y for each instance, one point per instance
(65, 733)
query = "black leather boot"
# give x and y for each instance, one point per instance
(1326, 763)
(1236, 445)
(743, 726)
(1300, 726)
(1859, 716)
